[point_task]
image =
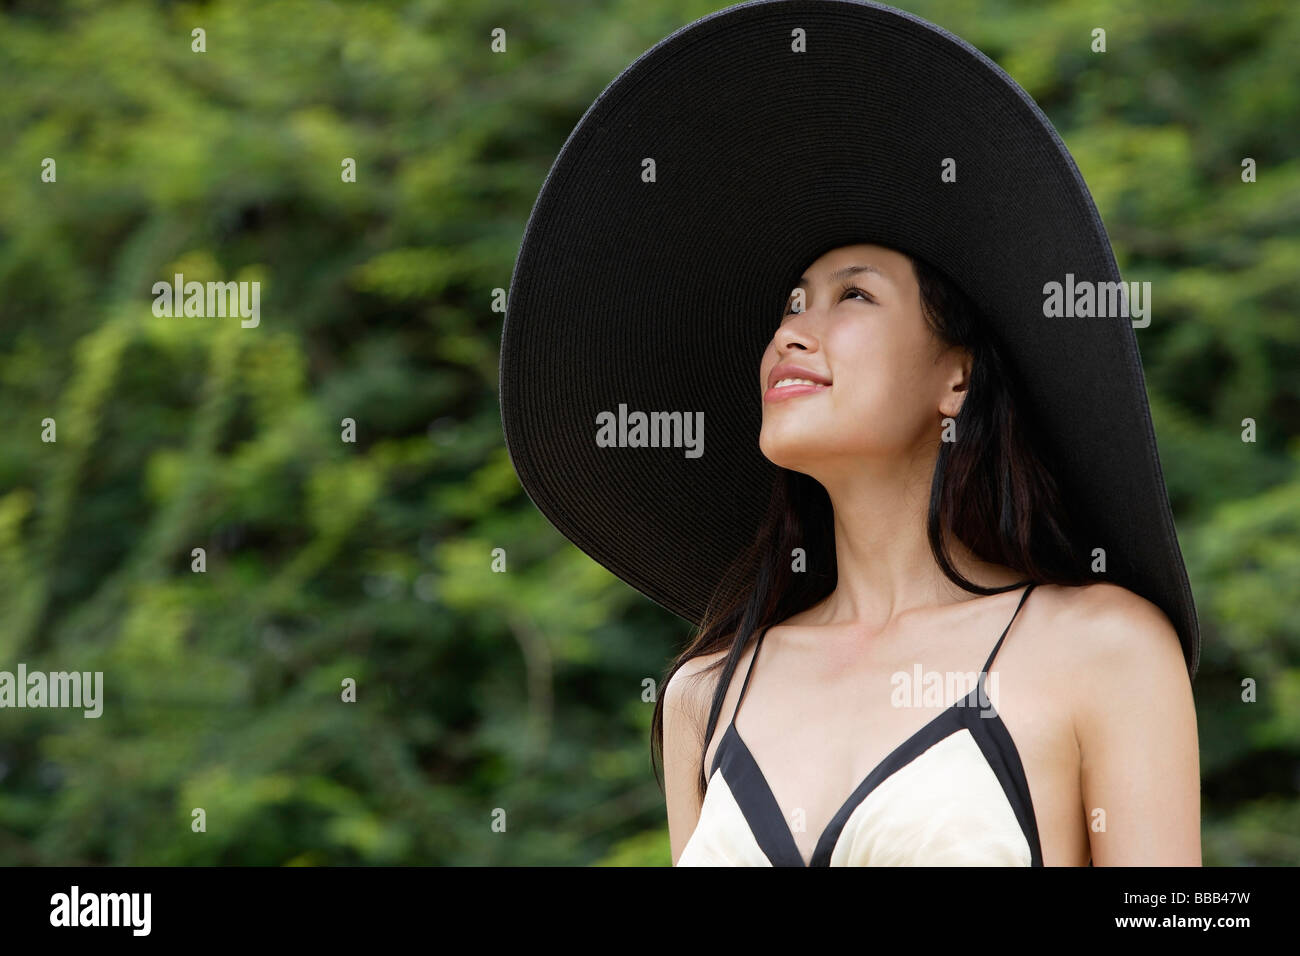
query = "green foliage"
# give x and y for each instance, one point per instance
(372, 561)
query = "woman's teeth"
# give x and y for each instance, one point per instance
(795, 381)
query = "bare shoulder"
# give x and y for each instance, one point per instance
(1103, 625)
(690, 690)
(1130, 703)
(686, 699)
(1120, 650)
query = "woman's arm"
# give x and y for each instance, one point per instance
(1135, 724)
(686, 707)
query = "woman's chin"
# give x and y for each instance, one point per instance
(795, 454)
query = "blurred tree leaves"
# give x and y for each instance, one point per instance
(372, 561)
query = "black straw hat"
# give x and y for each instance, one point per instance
(679, 215)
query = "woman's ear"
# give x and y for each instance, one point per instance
(956, 382)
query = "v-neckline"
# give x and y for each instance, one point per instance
(859, 792)
(780, 838)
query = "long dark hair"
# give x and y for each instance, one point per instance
(993, 490)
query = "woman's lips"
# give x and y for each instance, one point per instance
(775, 394)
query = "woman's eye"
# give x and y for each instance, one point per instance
(845, 292)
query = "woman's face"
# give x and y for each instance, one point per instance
(854, 325)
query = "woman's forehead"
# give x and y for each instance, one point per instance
(861, 258)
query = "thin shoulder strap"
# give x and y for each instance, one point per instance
(989, 662)
(717, 705)
(748, 671)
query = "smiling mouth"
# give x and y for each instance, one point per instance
(797, 381)
(788, 388)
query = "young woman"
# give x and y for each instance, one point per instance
(942, 612)
(1088, 751)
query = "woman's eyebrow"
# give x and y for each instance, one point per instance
(845, 273)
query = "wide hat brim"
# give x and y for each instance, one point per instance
(662, 295)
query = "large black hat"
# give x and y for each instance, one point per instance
(683, 208)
